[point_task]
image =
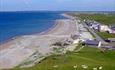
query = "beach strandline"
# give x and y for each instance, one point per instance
(24, 46)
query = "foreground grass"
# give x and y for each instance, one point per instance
(91, 57)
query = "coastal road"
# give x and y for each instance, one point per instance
(98, 38)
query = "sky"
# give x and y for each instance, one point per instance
(57, 5)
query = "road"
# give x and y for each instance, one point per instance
(98, 38)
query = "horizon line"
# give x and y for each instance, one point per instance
(60, 11)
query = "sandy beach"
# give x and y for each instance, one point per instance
(34, 48)
(18, 50)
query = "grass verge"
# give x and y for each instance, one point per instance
(92, 57)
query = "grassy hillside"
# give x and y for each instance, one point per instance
(105, 35)
(92, 57)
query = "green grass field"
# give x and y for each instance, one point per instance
(104, 19)
(105, 35)
(92, 57)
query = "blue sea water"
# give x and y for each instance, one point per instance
(14, 24)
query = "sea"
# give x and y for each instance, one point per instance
(15, 24)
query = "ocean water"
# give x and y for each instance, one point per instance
(13, 24)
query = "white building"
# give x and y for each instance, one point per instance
(111, 31)
(104, 28)
(95, 26)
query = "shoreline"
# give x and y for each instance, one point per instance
(49, 29)
(40, 33)
(3, 45)
(25, 46)
(37, 33)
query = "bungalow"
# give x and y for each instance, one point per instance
(95, 26)
(104, 28)
(110, 46)
(111, 39)
(113, 47)
(91, 42)
(112, 31)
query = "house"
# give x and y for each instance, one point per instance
(104, 28)
(113, 47)
(95, 26)
(111, 39)
(91, 42)
(112, 31)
